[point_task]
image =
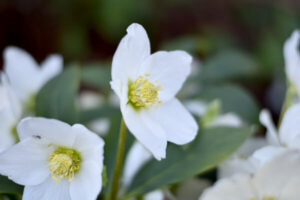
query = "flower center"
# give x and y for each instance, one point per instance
(64, 163)
(143, 93)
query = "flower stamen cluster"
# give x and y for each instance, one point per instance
(64, 163)
(143, 93)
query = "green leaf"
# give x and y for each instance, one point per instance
(9, 187)
(234, 98)
(97, 113)
(228, 65)
(97, 75)
(210, 148)
(57, 98)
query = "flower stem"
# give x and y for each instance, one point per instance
(118, 167)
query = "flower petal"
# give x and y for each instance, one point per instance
(48, 190)
(26, 162)
(87, 183)
(133, 49)
(57, 132)
(237, 187)
(10, 96)
(169, 70)
(7, 122)
(292, 58)
(276, 175)
(136, 157)
(51, 67)
(289, 129)
(178, 124)
(22, 71)
(88, 143)
(264, 155)
(265, 119)
(146, 130)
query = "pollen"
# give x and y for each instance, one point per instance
(143, 93)
(64, 163)
(265, 198)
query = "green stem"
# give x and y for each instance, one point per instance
(118, 167)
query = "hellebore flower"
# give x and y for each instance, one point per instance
(25, 76)
(146, 85)
(54, 160)
(279, 179)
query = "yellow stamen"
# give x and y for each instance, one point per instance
(64, 163)
(143, 93)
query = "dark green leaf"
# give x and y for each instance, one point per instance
(210, 148)
(9, 187)
(228, 64)
(234, 99)
(97, 75)
(57, 98)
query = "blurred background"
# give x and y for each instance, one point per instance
(236, 41)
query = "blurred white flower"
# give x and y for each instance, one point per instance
(55, 160)
(279, 179)
(135, 159)
(10, 114)
(287, 137)
(90, 99)
(25, 75)
(292, 59)
(146, 86)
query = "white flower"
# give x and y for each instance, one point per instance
(25, 75)
(287, 137)
(292, 59)
(279, 179)
(55, 160)
(146, 85)
(10, 114)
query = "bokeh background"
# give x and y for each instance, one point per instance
(238, 40)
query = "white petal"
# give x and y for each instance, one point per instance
(58, 132)
(169, 70)
(276, 175)
(155, 195)
(133, 49)
(291, 190)
(228, 119)
(12, 100)
(289, 131)
(88, 143)
(48, 190)
(87, 183)
(26, 162)
(292, 58)
(264, 155)
(51, 67)
(266, 120)
(146, 130)
(136, 157)
(22, 71)
(237, 187)
(178, 124)
(7, 122)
